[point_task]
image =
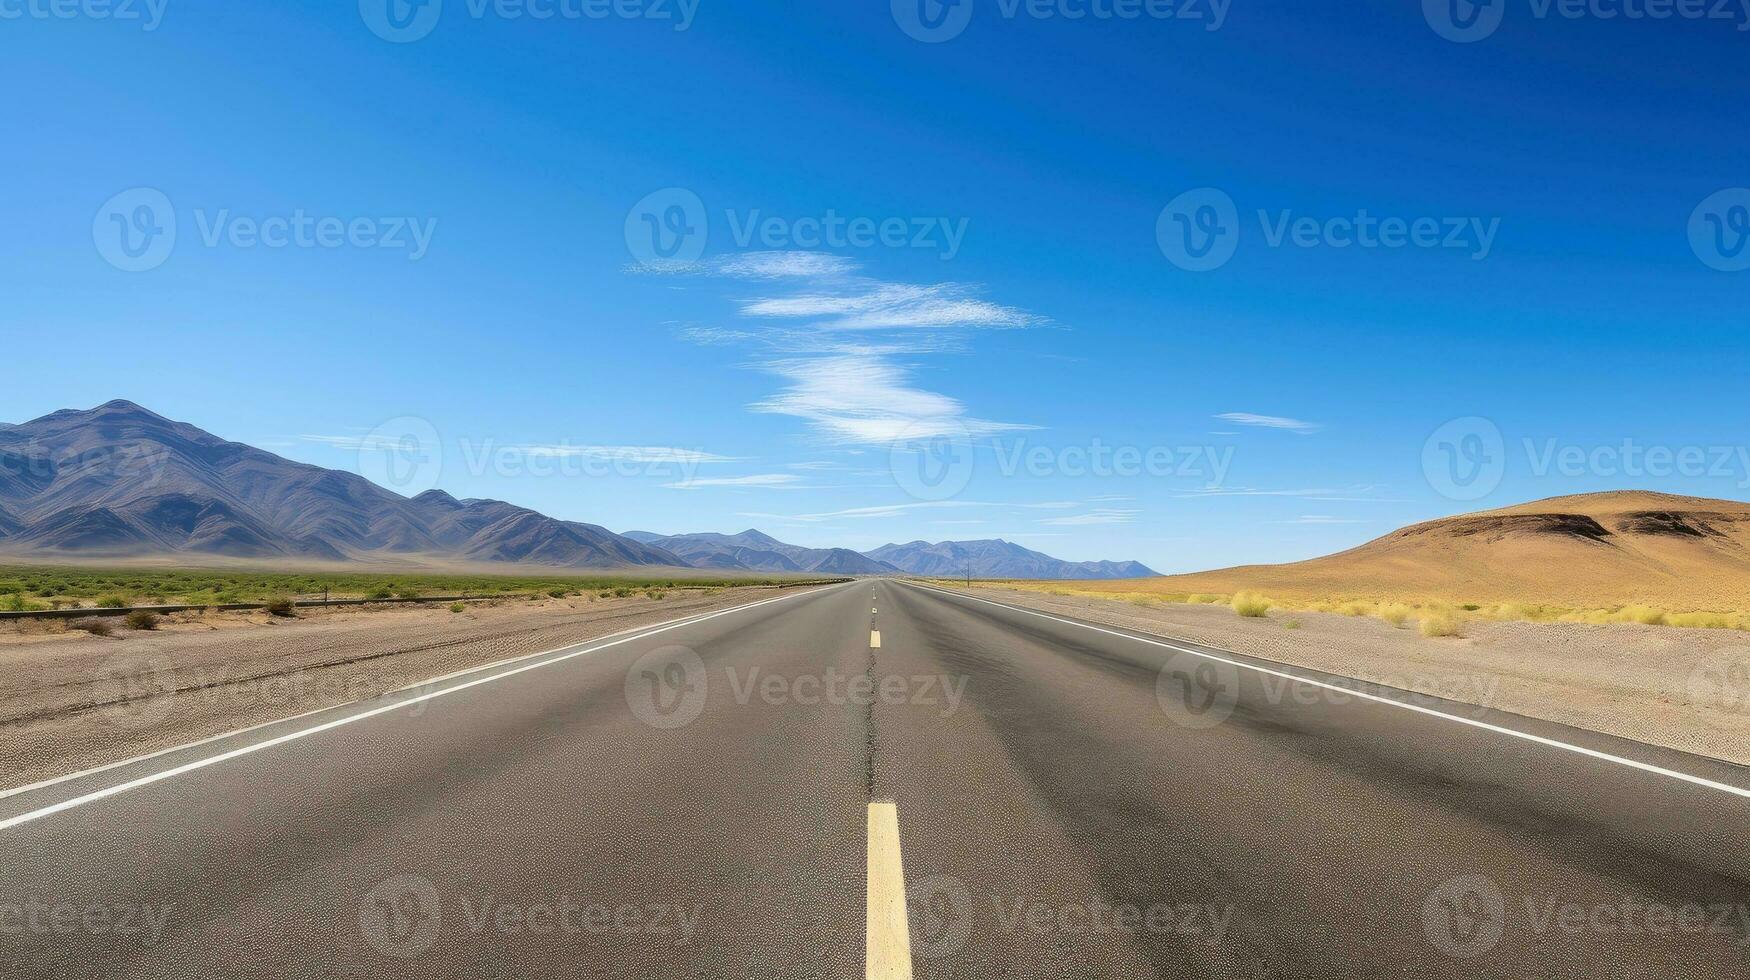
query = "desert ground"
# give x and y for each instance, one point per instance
(1686, 689)
(70, 701)
(1586, 558)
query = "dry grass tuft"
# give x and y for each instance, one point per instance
(1251, 604)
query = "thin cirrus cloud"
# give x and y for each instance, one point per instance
(766, 480)
(1094, 517)
(855, 391)
(1269, 422)
(375, 442)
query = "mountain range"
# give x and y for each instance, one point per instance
(121, 481)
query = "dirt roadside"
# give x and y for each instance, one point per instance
(1687, 689)
(70, 701)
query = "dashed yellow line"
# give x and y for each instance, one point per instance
(887, 939)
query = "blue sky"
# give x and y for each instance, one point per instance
(488, 271)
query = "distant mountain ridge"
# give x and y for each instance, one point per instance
(121, 481)
(758, 551)
(997, 558)
(752, 549)
(118, 480)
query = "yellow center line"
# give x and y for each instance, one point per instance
(887, 940)
(874, 639)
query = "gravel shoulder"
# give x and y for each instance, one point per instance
(70, 701)
(1685, 689)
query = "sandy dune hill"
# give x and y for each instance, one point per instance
(1587, 550)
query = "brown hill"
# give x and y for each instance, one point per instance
(1583, 551)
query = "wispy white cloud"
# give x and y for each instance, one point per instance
(360, 443)
(854, 392)
(1323, 519)
(756, 480)
(864, 398)
(622, 454)
(783, 265)
(867, 305)
(890, 510)
(1269, 422)
(1093, 517)
(1355, 493)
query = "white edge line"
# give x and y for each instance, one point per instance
(590, 647)
(197, 743)
(1527, 736)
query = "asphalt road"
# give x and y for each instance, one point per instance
(695, 801)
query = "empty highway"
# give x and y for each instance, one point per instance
(883, 778)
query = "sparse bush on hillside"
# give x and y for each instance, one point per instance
(114, 601)
(654, 593)
(381, 593)
(96, 627)
(624, 593)
(1439, 622)
(142, 619)
(1356, 608)
(1645, 615)
(557, 593)
(1251, 604)
(282, 606)
(1395, 613)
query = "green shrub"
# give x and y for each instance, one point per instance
(282, 606)
(557, 593)
(457, 607)
(380, 593)
(114, 601)
(142, 619)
